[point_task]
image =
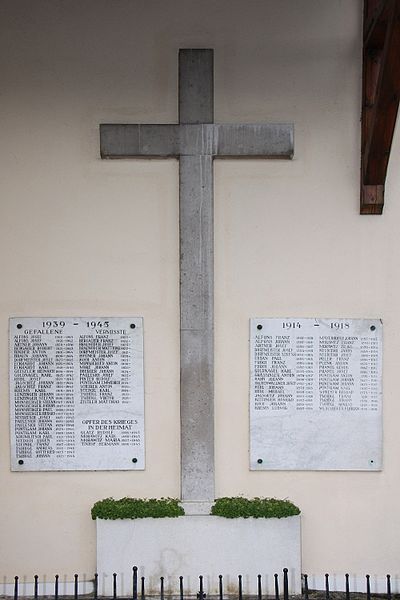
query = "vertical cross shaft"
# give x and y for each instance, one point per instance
(196, 140)
(196, 285)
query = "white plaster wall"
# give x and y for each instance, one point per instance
(81, 236)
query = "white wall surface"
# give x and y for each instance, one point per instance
(80, 236)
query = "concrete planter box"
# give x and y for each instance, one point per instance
(198, 545)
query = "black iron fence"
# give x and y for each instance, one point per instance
(138, 592)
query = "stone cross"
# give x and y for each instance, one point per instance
(195, 141)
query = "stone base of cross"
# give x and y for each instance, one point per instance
(196, 141)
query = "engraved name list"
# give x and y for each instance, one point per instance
(76, 393)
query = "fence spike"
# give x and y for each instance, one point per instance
(76, 586)
(162, 588)
(201, 592)
(221, 587)
(327, 586)
(16, 587)
(240, 587)
(181, 587)
(347, 587)
(56, 587)
(142, 590)
(368, 587)
(388, 587)
(285, 584)
(35, 586)
(95, 586)
(259, 588)
(305, 586)
(276, 585)
(134, 582)
(115, 586)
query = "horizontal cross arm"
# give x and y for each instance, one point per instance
(133, 141)
(269, 140)
(156, 141)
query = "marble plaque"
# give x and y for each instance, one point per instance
(76, 393)
(316, 394)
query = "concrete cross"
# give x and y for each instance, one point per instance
(196, 140)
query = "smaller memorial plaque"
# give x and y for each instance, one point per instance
(316, 394)
(76, 393)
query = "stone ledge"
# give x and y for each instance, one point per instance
(198, 545)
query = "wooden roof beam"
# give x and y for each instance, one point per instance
(375, 21)
(381, 93)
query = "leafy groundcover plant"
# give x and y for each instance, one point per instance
(136, 508)
(258, 508)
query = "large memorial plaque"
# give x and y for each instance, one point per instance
(76, 393)
(316, 394)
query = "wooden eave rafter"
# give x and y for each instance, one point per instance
(380, 98)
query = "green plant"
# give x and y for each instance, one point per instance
(259, 508)
(136, 508)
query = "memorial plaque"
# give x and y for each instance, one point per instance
(316, 394)
(76, 393)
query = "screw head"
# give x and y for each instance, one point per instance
(20, 462)
(259, 326)
(372, 328)
(260, 461)
(19, 326)
(132, 325)
(134, 460)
